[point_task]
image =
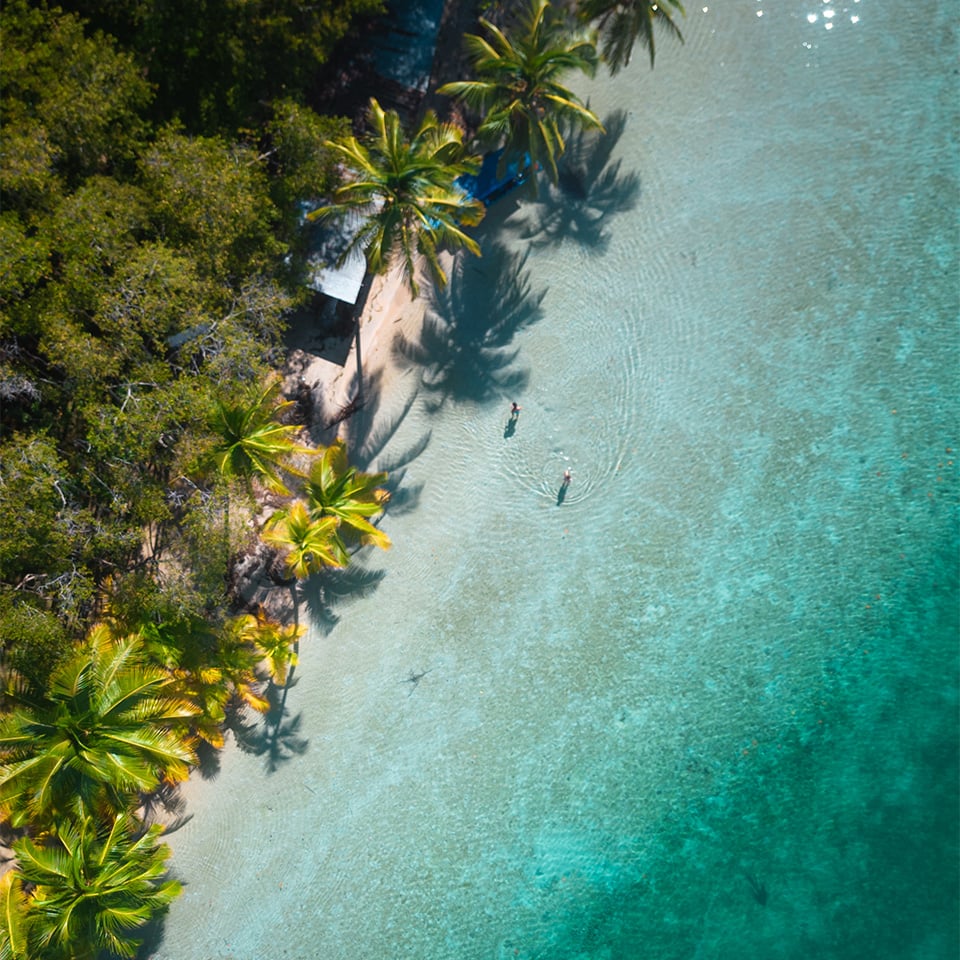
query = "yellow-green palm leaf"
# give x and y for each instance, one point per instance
(94, 888)
(13, 926)
(250, 440)
(276, 643)
(106, 730)
(189, 651)
(237, 657)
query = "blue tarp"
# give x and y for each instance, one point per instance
(486, 185)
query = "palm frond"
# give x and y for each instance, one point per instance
(13, 909)
(517, 86)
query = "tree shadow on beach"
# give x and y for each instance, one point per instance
(589, 191)
(370, 432)
(274, 735)
(463, 351)
(325, 593)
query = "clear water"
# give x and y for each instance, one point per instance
(731, 650)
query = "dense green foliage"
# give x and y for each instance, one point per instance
(92, 888)
(154, 160)
(146, 271)
(104, 732)
(215, 64)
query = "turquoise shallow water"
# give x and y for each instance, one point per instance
(706, 705)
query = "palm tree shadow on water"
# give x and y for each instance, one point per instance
(324, 594)
(758, 889)
(463, 350)
(273, 735)
(589, 191)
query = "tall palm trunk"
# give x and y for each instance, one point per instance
(359, 309)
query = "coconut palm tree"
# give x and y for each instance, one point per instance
(274, 642)
(311, 543)
(103, 733)
(336, 489)
(623, 22)
(209, 668)
(238, 658)
(92, 888)
(404, 191)
(518, 89)
(251, 442)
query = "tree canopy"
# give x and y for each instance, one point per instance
(154, 163)
(146, 271)
(215, 64)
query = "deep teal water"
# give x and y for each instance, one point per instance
(704, 704)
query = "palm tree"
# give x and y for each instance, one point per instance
(336, 489)
(405, 193)
(311, 543)
(93, 888)
(274, 642)
(103, 733)
(209, 668)
(623, 22)
(251, 442)
(238, 658)
(518, 90)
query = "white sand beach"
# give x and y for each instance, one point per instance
(390, 311)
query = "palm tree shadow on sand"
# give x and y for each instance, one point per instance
(589, 191)
(368, 431)
(274, 734)
(463, 350)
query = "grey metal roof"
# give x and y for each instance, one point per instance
(328, 241)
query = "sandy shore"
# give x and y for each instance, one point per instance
(338, 407)
(390, 311)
